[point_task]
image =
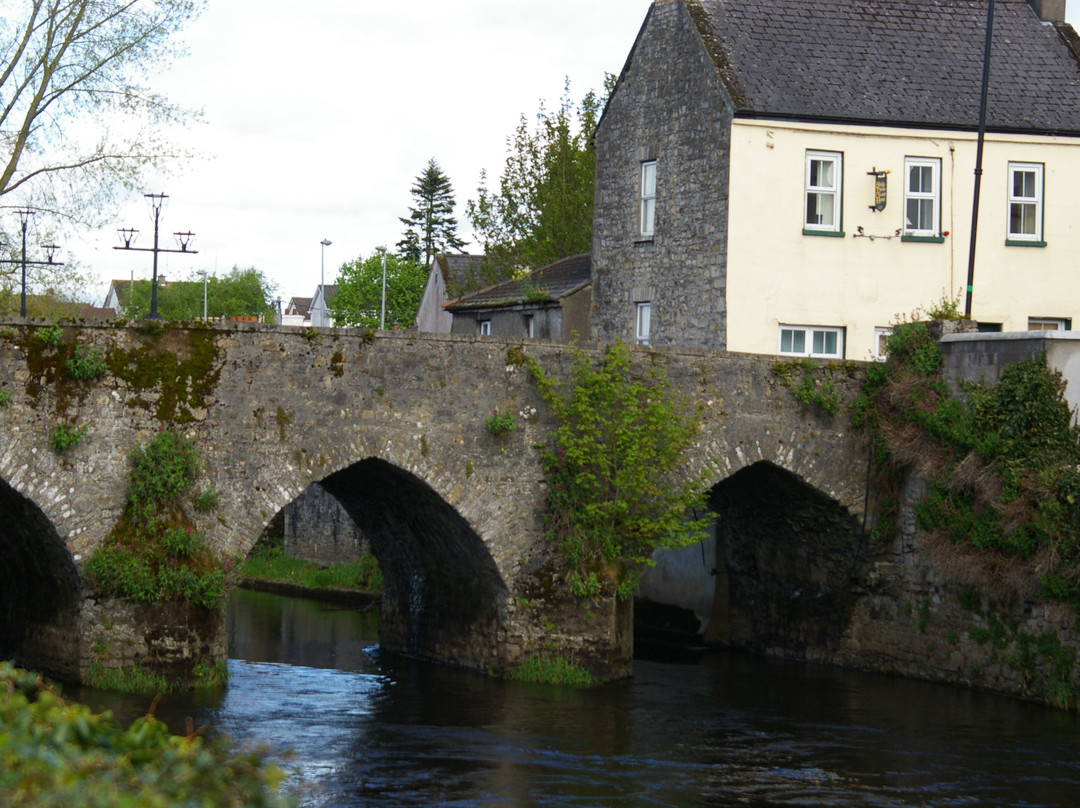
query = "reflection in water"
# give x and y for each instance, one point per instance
(728, 730)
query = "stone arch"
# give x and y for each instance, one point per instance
(443, 596)
(791, 561)
(40, 589)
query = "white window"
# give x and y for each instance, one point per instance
(644, 325)
(1025, 202)
(1049, 324)
(881, 348)
(813, 341)
(648, 197)
(922, 196)
(823, 183)
(530, 326)
(485, 328)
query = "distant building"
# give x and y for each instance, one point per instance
(549, 303)
(319, 311)
(297, 312)
(449, 274)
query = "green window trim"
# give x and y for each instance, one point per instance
(924, 239)
(1013, 243)
(829, 233)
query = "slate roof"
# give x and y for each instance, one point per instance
(301, 304)
(545, 285)
(459, 270)
(893, 61)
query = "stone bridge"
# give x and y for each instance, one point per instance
(393, 425)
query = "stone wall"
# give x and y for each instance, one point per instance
(681, 119)
(393, 425)
(316, 528)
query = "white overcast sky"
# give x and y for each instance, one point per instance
(319, 116)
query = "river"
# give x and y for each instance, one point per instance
(357, 728)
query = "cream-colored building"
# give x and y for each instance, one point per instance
(885, 215)
(792, 176)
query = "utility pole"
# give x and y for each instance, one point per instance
(127, 236)
(50, 252)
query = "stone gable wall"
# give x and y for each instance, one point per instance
(669, 106)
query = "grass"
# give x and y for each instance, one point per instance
(271, 564)
(553, 671)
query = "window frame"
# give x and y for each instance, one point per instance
(1021, 239)
(1059, 323)
(881, 335)
(933, 233)
(808, 332)
(836, 228)
(647, 200)
(643, 335)
(484, 327)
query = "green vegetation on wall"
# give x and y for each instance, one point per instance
(620, 438)
(1002, 465)
(154, 553)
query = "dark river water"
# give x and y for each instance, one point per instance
(360, 729)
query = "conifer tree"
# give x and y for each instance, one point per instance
(430, 227)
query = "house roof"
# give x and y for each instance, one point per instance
(545, 285)
(893, 61)
(302, 304)
(458, 269)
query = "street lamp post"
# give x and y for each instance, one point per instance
(203, 273)
(127, 236)
(322, 278)
(50, 253)
(382, 310)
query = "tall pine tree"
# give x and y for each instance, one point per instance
(431, 227)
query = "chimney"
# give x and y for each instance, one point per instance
(1049, 10)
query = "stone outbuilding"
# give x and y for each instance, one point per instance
(550, 303)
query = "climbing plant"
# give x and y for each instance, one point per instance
(616, 491)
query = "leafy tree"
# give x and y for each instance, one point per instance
(544, 206)
(613, 484)
(431, 227)
(358, 301)
(77, 122)
(243, 292)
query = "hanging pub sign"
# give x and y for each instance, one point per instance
(881, 188)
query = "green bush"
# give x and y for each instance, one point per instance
(162, 471)
(5, 396)
(51, 336)
(58, 754)
(153, 553)
(63, 437)
(618, 441)
(1002, 464)
(86, 364)
(206, 501)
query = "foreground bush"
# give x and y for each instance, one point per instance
(57, 753)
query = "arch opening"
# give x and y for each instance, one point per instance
(792, 562)
(40, 589)
(442, 593)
